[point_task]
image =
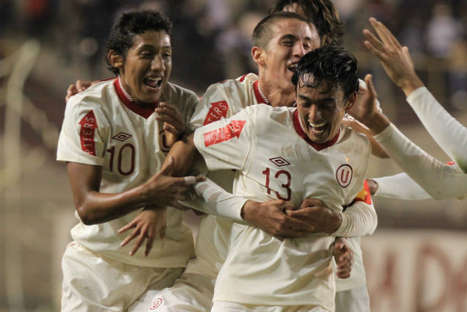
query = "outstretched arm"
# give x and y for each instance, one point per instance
(439, 180)
(95, 207)
(397, 62)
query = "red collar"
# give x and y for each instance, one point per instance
(260, 98)
(143, 111)
(299, 130)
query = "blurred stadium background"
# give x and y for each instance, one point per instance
(416, 261)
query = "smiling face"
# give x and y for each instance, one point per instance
(321, 110)
(146, 68)
(290, 39)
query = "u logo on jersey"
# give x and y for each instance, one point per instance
(344, 174)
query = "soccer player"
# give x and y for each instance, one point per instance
(290, 154)
(438, 180)
(279, 42)
(111, 141)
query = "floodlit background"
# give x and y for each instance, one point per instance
(416, 261)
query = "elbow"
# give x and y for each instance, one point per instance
(85, 214)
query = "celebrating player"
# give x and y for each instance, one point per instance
(112, 143)
(289, 154)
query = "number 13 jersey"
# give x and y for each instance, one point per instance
(275, 160)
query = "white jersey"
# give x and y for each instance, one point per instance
(221, 100)
(274, 160)
(103, 127)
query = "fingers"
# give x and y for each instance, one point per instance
(310, 202)
(170, 128)
(149, 242)
(371, 86)
(70, 91)
(129, 238)
(139, 241)
(127, 227)
(384, 33)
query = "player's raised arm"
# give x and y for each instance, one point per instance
(449, 133)
(439, 180)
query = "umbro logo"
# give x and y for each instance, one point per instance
(122, 136)
(279, 161)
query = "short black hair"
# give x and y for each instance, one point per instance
(262, 33)
(134, 23)
(323, 14)
(332, 64)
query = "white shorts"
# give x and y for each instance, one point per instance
(92, 283)
(190, 293)
(224, 306)
(353, 300)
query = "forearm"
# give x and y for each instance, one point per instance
(359, 219)
(400, 186)
(219, 202)
(450, 134)
(96, 207)
(183, 153)
(439, 180)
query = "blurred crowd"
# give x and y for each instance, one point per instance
(211, 37)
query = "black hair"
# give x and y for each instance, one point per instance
(262, 33)
(332, 64)
(134, 23)
(323, 15)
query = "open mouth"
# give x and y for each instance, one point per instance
(292, 67)
(153, 82)
(318, 128)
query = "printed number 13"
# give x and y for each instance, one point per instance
(267, 173)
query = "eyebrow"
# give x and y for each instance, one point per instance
(318, 101)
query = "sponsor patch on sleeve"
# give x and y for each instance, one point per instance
(217, 111)
(233, 129)
(88, 127)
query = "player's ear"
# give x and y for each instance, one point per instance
(258, 55)
(115, 60)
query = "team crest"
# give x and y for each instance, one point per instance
(279, 161)
(156, 303)
(122, 136)
(344, 175)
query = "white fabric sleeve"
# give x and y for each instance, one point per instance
(449, 133)
(83, 133)
(439, 180)
(400, 186)
(217, 201)
(359, 219)
(225, 144)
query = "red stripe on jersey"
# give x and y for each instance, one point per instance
(86, 133)
(144, 111)
(242, 78)
(300, 132)
(233, 129)
(364, 195)
(217, 111)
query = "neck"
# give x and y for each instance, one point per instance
(277, 95)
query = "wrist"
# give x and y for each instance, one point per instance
(247, 210)
(377, 123)
(410, 85)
